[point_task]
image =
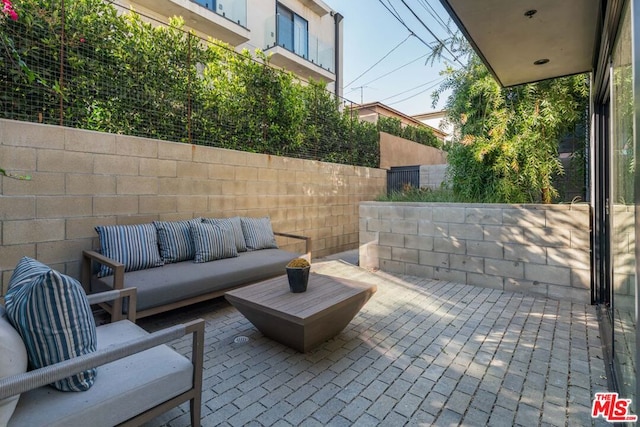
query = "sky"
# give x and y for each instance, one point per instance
(383, 61)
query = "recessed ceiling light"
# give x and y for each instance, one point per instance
(530, 13)
(541, 61)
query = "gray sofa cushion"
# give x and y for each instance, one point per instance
(174, 282)
(122, 389)
(13, 361)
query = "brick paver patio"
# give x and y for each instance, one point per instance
(421, 352)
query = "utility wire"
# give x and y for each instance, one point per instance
(395, 69)
(409, 29)
(379, 61)
(397, 14)
(431, 11)
(414, 95)
(432, 33)
(434, 82)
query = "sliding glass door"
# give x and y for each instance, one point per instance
(623, 205)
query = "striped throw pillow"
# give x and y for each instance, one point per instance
(54, 319)
(174, 238)
(258, 233)
(237, 230)
(26, 269)
(135, 246)
(213, 241)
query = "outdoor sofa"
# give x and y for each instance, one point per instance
(83, 375)
(177, 263)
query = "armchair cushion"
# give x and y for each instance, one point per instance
(124, 388)
(54, 319)
(13, 361)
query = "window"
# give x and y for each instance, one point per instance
(293, 31)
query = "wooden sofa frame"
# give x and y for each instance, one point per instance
(89, 257)
(20, 383)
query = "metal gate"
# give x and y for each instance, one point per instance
(400, 176)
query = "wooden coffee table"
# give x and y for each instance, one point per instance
(304, 320)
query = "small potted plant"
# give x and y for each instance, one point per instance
(298, 274)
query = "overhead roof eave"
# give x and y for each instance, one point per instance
(511, 37)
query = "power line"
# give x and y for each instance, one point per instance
(434, 81)
(432, 33)
(395, 69)
(431, 11)
(379, 61)
(416, 94)
(409, 29)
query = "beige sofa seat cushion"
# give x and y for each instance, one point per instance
(122, 389)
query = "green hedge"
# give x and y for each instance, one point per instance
(120, 74)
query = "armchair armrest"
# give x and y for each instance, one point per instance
(117, 296)
(88, 258)
(20, 383)
(295, 236)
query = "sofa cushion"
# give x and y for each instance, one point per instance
(237, 230)
(55, 321)
(213, 241)
(135, 246)
(174, 239)
(258, 233)
(123, 389)
(174, 282)
(13, 361)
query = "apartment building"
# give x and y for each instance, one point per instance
(301, 36)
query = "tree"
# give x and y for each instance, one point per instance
(508, 146)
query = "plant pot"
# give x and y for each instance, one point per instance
(298, 278)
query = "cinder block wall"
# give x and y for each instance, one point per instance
(539, 249)
(82, 179)
(432, 176)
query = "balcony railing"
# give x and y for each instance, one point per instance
(317, 52)
(233, 10)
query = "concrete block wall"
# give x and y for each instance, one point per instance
(432, 176)
(538, 249)
(81, 179)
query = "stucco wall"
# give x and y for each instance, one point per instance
(539, 249)
(396, 151)
(82, 179)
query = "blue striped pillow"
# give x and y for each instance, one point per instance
(54, 319)
(26, 269)
(135, 246)
(237, 230)
(174, 238)
(213, 241)
(258, 233)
